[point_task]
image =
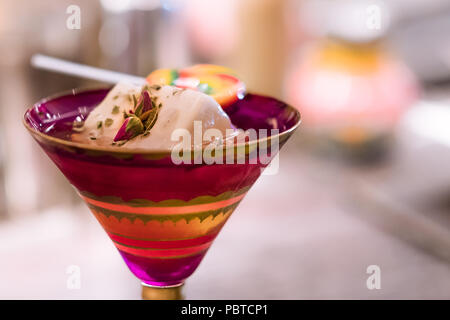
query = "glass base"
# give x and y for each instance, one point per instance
(162, 293)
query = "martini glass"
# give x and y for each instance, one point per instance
(161, 217)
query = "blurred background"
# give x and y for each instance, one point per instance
(365, 181)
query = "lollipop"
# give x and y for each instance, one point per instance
(217, 81)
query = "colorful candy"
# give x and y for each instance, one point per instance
(219, 82)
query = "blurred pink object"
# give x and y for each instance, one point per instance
(212, 26)
(351, 92)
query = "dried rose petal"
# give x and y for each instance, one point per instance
(131, 127)
(147, 102)
(143, 104)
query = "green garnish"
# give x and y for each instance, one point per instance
(138, 109)
(99, 124)
(115, 110)
(151, 120)
(93, 138)
(109, 122)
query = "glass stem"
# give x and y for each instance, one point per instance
(161, 293)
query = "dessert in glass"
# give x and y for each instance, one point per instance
(161, 201)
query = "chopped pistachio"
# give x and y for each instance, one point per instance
(108, 122)
(151, 120)
(115, 110)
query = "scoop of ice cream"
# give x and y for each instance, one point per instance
(176, 109)
(179, 109)
(105, 120)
